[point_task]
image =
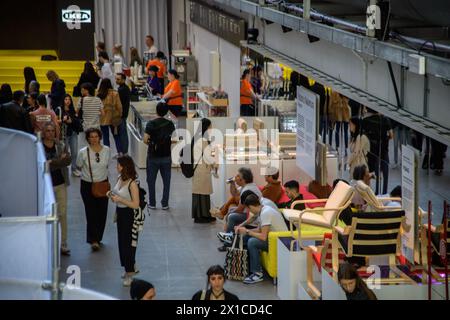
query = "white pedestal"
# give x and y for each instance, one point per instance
(291, 270)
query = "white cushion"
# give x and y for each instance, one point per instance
(308, 217)
(340, 195)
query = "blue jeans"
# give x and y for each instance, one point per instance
(235, 219)
(105, 133)
(254, 247)
(164, 165)
(123, 136)
(72, 143)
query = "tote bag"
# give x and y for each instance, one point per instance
(236, 261)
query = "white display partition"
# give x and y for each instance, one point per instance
(307, 129)
(32, 290)
(410, 201)
(228, 123)
(18, 150)
(29, 232)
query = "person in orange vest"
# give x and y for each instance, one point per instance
(173, 94)
(158, 61)
(247, 96)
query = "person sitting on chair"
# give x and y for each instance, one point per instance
(269, 220)
(292, 191)
(272, 190)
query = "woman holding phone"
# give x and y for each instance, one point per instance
(125, 195)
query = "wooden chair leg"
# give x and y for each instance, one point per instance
(335, 254)
(310, 275)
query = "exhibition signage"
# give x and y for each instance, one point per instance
(73, 17)
(409, 200)
(233, 29)
(307, 102)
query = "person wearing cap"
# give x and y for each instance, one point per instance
(153, 80)
(142, 290)
(158, 62)
(272, 190)
(173, 93)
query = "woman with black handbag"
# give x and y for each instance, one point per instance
(71, 126)
(93, 161)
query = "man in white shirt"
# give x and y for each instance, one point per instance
(106, 71)
(257, 240)
(149, 54)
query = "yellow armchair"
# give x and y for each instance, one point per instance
(269, 258)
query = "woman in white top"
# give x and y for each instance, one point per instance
(93, 162)
(126, 196)
(118, 58)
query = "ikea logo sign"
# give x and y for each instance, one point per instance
(73, 16)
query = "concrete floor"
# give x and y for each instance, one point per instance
(174, 253)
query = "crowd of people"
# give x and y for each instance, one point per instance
(77, 135)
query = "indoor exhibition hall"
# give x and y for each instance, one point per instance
(255, 150)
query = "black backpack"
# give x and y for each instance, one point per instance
(162, 137)
(142, 194)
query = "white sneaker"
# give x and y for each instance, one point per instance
(127, 281)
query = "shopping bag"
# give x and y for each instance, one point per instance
(236, 261)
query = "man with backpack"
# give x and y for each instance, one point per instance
(158, 137)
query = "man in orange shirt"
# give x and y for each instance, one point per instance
(158, 61)
(247, 96)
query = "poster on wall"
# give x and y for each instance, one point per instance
(307, 102)
(410, 182)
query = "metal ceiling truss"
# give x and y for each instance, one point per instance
(425, 126)
(436, 66)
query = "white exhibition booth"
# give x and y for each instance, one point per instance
(29, 231)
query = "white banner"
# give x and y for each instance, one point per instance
(307, 102)
(409, 199)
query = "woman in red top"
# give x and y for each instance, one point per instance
(247, 96)
(173, 93)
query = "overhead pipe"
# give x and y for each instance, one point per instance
(424, 44)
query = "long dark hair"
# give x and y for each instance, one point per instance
(105, 86)
(128, 168)
(358, 128)
(348, 272)
(89, 69)
(71, 107)
(29, 75)
(6, 94)
(205, 124)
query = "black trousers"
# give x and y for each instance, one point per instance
(176, 110)
(96, 212)
(375, 164)
(127, 253)
(248, 110)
